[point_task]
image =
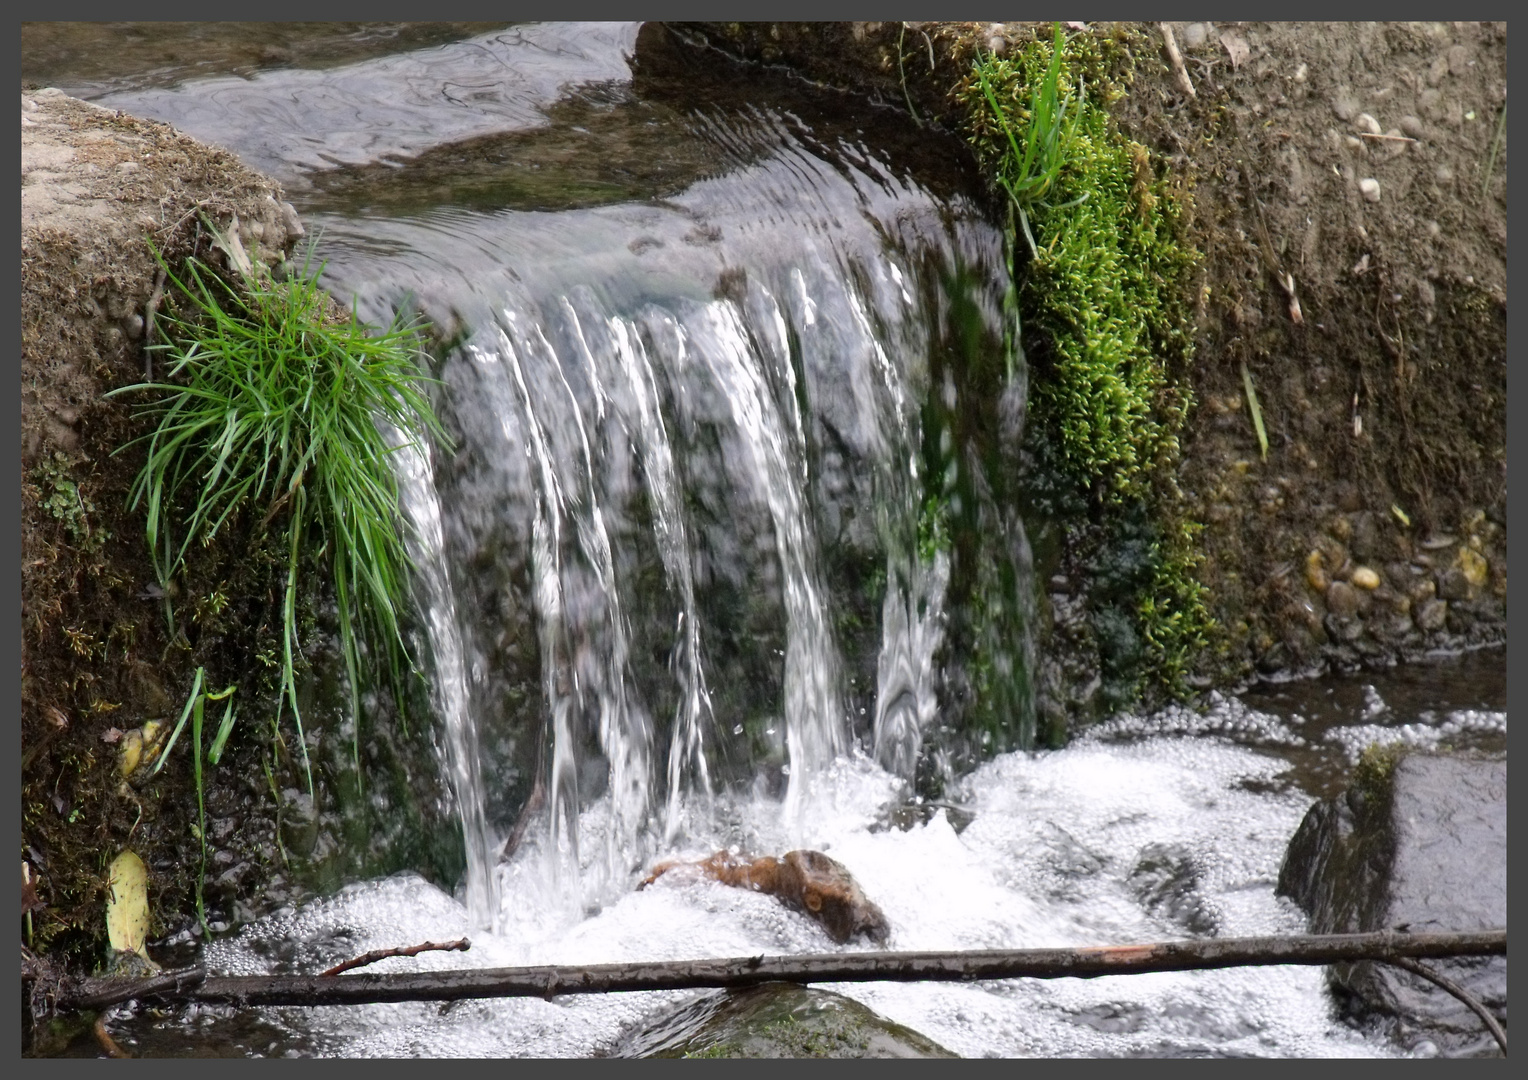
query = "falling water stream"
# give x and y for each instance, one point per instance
(726, 556)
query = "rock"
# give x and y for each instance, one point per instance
(1341, 600)
(1195, 35)
(1454, 584)
(1370, 188)
(1364, 578)
(1315, 572)
(1417, 842)
(1474, 567)
(1431, 614)
(1365, 122)
(777, 1020)
(806, 881)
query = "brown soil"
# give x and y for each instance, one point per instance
(1376, 527)
(97, 661)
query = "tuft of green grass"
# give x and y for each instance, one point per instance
(1033, 163)
(271, 412)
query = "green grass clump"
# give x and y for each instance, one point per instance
(269, 414)
(1103, 299)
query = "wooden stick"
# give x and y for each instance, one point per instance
(549, 981)
(1179, 71)
(460, 945)
(1392, 138)
(1449, 985)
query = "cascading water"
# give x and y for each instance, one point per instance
(727, 556)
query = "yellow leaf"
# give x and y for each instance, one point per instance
(127, 904)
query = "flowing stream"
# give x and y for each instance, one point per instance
(727, 556)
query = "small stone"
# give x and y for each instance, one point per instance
(1342, 600)
(997, 45)
(1365, 578)
(1431, 615)
(1343, 105)
(1413, 126)
(1302, 72)
(133, 326)
(1458, 60)
(1370, 188)
(1423, 590)
(1195, 35)
(1315, 572)
(1437, 71)
(1365, 122)
(1453, 584)
(1474, 567)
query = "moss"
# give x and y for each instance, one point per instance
(1104, 298)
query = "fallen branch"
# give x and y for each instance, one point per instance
(460, 945)
(1450, 986)
(548, 981)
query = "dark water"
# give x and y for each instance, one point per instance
(727, 554)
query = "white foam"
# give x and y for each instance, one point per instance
(1046, 861)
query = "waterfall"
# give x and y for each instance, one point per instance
(688, 520)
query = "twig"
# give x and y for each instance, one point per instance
(1076, 963)
(1179, 71)
(149, 312)
(1459, 992)
(1392, 138)
(107, 1042)
(372, 957)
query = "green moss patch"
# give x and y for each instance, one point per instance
(1102, 268)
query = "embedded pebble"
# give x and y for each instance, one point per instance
(1365, 122)
(1431, 614)
(1370, 188)
(1475, 567)
(1315, 572)
(1365, 578)
(1195, 35)
(1342, 600)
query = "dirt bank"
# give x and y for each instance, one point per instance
(1349, 183)
(102, 671)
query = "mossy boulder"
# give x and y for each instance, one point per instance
(778, 1020)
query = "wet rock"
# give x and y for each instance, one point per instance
(1341, 600)
(1454, 584)
(777, 1020)
(1420, 843)
(1364, 578)
(1344, 629)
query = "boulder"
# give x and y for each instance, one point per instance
(777, 1020)
(1418, 842)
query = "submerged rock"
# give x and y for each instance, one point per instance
(777, 1020)
(1417, 843)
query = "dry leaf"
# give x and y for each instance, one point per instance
(1236, 47)
(127, 904)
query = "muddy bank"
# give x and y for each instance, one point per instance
(1349, 192)
(104, 675)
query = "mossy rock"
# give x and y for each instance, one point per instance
(778, 1020)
